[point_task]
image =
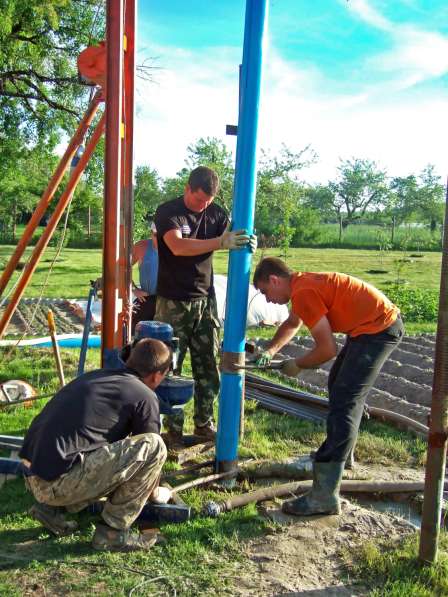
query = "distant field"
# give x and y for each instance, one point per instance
(76, 267)
(368, 236)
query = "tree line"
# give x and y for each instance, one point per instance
(42, 99)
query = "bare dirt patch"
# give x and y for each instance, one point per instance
(305, 557)
(30, 317)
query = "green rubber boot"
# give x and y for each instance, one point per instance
(324, 495)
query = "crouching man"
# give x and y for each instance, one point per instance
(326, 303)
(99, 436)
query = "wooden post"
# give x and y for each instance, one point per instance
(438, 427)
(54, 341)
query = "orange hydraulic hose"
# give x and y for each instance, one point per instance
(51, 226)
(49, 192)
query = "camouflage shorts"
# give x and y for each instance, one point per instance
(126, 472)
(197, 325)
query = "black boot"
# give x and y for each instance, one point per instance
(324, 495)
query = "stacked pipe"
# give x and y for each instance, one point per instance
(304, 405)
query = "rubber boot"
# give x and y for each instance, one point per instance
(324, 495)
(350, 462)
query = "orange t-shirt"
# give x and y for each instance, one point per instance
(351, 306)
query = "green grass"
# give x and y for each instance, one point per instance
(393, 570)
(201, 557)
(71, 275)
(369, 236)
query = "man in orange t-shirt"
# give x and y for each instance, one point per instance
(327, 303)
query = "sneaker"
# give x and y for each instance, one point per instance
(206, 432)
(53, 519)
(107, 538)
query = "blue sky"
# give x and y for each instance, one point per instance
(351, 78)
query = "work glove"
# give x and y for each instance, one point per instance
(289, 367)
(264, 359)
(160, 495)
(253, 243)
(234, 239)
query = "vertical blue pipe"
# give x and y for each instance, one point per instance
(242, 217)
(85, 332)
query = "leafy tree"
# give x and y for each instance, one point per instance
(280, 193)
(213, 153)
(321, 199)
(360, 187)
(174, 186)
(21, 185)
(403, 198)
(39, 44)
(147, 197)
(306, 226)
(431, 204)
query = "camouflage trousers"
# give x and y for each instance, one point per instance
(196, 324)
(127, 472)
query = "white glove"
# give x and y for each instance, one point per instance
(253, 243)
(234, 239)
(289, 367)
(160, 495)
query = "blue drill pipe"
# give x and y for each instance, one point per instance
(86, 331)
(232, 380)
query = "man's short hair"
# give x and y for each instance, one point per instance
(149, 356)
(270, 266)
(205, 179)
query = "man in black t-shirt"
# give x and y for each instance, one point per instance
(189, 229)
(99, 436)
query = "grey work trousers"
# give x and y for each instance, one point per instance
(352, 376)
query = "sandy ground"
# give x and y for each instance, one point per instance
(304, 556)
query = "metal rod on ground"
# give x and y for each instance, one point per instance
(204, 480)
(24, 400)
(285, 406)
(300, 397)
(232, 380)
(438, 426)
(267, 493)
(187, 470)
(54, 341)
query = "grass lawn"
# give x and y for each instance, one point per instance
(201, 557)
(76, 267)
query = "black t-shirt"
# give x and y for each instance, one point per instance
(97, 408)
(185, 278)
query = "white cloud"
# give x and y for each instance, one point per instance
(369, 14)
(416, 55)
(196, 95)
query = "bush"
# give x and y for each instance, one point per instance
(95, 241)
(415, 304)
